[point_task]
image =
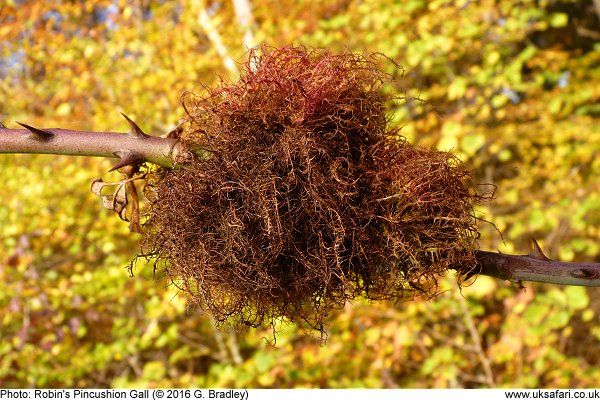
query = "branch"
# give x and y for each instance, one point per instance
(243, 13)
(136, 147)
(131, 148)
(536, 267)
(205, 21)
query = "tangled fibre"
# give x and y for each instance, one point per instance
(305, 197)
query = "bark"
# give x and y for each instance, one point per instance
(536, 267)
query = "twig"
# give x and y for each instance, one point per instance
(243, 14)
(206, 22)
(476, 338)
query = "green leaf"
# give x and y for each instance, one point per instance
(470, 144)
(577, 297)
(535, 313)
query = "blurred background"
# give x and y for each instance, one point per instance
(512, 87)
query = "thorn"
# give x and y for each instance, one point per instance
(2, 126)
(537, 252)
(136, 131)
(127, 157)
(37, 134)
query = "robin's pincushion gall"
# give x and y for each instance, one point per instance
(305, 196)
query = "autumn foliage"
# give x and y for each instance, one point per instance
(512, 89)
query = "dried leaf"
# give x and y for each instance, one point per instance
(119, 202)
(124, 195)
(97, 186)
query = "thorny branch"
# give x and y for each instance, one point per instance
(536, 267)
(132, 148)
(135, 147)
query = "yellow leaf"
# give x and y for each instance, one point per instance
(559, 20)
(88, 52)
(483, 286)
(63, 110)
(127, 12)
